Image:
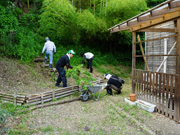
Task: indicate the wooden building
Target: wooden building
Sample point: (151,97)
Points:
(159,83)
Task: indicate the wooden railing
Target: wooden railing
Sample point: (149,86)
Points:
(160,89)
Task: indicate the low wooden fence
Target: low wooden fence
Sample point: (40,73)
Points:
(51,95)
(35,99)
(13,98)
(160,89)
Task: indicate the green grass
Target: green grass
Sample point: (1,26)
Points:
(46,129)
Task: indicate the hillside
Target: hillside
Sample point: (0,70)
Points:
(109,115)
(29,78)
(23,78)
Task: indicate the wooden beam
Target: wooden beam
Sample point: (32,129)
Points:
(150,10)
(155,55)
(117,29)
(157,30)
(142,51)
(152,21)
(174,35)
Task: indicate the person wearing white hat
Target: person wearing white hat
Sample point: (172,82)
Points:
(113,83)
(63,61)
(49,46)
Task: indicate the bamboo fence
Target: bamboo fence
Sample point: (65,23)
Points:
(41,98)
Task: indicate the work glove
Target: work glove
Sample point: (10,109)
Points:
(67,66)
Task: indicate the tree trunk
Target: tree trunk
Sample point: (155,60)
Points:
(80,6)
(28,3)
(106,6)
(100,5)
(94,7)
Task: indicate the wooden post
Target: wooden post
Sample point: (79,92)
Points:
(177,47)
(15,98)
(53,94)
(42,99)
(133,60)
(177,71)
(178,101)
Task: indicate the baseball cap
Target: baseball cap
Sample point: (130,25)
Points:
(71,51)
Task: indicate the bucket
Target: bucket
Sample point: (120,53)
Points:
(132,97)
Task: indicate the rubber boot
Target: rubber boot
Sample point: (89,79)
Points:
(91,70)
(45,61)
(109,91)
(50,66)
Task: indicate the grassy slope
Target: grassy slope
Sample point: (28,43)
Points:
(32,79)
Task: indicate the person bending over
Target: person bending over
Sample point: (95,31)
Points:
(89,57)
(113,83)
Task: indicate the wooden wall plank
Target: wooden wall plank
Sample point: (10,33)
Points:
(163,94)
(167,95)
(171,102)
(159,93)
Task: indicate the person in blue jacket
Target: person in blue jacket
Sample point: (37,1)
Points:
(63,61)
(113,83)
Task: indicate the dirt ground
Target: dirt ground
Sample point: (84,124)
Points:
(111,115)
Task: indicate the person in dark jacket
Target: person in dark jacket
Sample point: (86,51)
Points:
(113,83)
(63,61)
(89,56)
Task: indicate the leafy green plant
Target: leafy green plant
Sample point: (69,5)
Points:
(53,76)
(81,76)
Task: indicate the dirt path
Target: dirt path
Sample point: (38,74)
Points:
(109,115)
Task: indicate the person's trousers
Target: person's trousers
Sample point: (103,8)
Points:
(62,76)
(90,63)
(110,87)
(50,54)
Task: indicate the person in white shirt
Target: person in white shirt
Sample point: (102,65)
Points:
(49,46)
(89,56)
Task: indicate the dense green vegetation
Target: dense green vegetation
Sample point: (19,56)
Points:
(82,27)
(71,24)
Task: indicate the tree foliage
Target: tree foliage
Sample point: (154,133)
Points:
(80,24)
(121,10)
(16,38)
(65,24)
(152,3)
(56,20)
